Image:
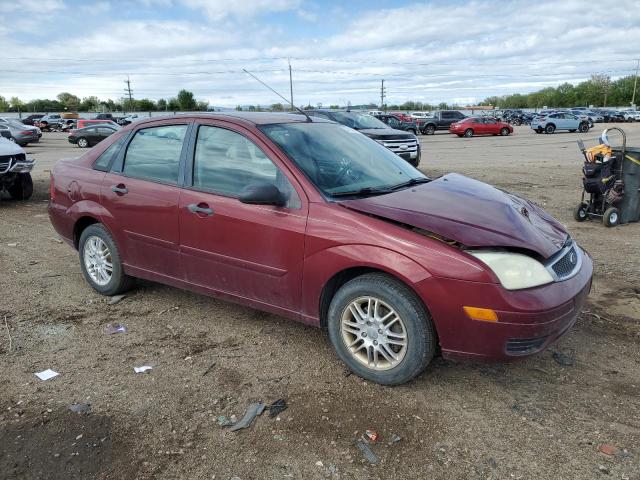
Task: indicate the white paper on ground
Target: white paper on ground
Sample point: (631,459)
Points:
(142,369)
(47,374)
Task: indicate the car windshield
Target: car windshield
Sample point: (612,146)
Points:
(16,123)
(358,121)
(341,161)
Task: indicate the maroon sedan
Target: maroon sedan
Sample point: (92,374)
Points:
(316,222)
(471,126)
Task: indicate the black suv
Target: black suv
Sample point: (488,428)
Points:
(403,144)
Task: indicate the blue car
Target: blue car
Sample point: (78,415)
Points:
(559,121)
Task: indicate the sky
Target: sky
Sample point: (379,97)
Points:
(431,51)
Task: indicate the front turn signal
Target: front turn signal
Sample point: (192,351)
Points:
(481,314)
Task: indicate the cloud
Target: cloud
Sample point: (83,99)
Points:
(222,9)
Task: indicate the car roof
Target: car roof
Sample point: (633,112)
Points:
(255,118)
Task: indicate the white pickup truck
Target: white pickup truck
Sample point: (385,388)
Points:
(15,170)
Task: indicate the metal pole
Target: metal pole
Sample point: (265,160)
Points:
(635,83)
(382,95)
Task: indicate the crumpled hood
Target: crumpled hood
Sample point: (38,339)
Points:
(7,147)
(469,212)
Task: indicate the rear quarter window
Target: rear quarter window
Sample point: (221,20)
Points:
(104,161)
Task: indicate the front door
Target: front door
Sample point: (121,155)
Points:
(141,194)
(250,251)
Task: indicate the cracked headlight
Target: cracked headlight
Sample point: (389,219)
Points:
(514,270)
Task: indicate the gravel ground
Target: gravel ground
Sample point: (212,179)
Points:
(533,419)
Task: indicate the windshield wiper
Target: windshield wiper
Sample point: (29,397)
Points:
(410,183)
(362,191)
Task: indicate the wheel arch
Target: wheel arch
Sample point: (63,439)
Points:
(80,226)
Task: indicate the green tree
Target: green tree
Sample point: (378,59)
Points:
(162,104)
(146,105)
(173,105)
(90,104)
(277,107)
(186,101)
(238,108)
(69,101)
(202,106)
(4,105)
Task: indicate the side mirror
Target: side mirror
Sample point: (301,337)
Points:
(262,193)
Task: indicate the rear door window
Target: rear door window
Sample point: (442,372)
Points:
(225,162)
(154,153)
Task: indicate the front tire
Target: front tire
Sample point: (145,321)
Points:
(504,131)
(580,212)
(468,133)
(430,130)
(583,127)
(550,128)
(101,263)
(22,187)
(380,329)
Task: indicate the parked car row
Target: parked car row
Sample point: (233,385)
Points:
(19,132)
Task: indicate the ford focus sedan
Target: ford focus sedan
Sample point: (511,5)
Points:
(469,127)
(314,221)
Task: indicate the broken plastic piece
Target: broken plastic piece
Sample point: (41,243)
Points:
(562,359)
(112,328)
(47,374)
(253,410)
(80,407)
(372,435)
(224,421)
(142,369)
(277,407)
(116,299)
(394,439)
(367,452)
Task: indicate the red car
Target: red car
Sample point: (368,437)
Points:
(480,126)
(314,221)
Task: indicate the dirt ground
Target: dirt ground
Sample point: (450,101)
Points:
(533,419)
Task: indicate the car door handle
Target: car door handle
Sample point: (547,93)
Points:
(120,188)
(197,209)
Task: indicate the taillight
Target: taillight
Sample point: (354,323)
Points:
(25,132)
(52,188)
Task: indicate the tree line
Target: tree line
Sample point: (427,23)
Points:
(599,91)
(65,101)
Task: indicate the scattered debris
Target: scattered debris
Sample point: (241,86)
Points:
(209,368)
(253,410)
(367,452)
(12,244)
(225,421)
(603,469)
(57,240)
(47,374)
(372,435)
(562,359)
(142,369)
(80,407)
(279,437)
(277,407)
(116,299)
(394,439)
(167,310)
(113,328)
(6,325)
(608,449)
(319,464)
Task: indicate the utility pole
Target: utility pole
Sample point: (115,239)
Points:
(291,85)
(129,92)
(382,95)
(635,83)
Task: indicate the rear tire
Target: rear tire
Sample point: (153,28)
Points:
(583,127)
(504,131)
(83,142)
(116,281)
(430,130)
(22,187)
(414,326)
(580,213)
(468,133)
(550,128)
(611,217)
(539,130)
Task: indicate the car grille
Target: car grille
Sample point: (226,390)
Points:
(567,263)
(6,161)
(524,346)
(404,145)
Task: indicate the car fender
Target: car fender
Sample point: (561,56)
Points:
(90,208)
(323,265)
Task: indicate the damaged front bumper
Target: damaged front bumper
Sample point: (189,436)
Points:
(17,166)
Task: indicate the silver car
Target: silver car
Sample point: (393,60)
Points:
(20,133)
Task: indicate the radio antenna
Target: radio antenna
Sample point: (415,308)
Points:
(309,119)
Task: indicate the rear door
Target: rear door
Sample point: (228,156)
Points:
(250,251)
(142,195)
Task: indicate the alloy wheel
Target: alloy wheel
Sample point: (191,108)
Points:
(374,333)
(97,260)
